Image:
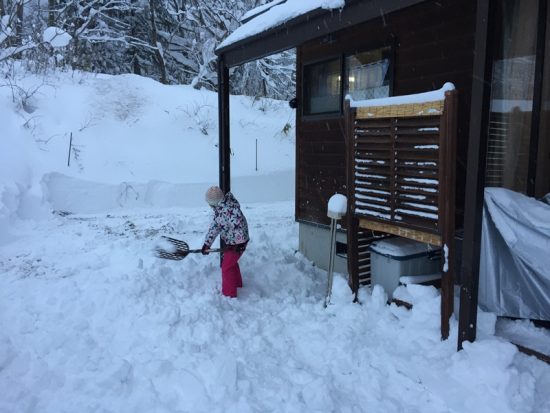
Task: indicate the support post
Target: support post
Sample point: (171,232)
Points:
(223,125)
(448,164)
(537,99)
(352,223)
(337,207)
(475,175)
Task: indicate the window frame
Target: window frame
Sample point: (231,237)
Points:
(391,57)
(343,82)
(339,58)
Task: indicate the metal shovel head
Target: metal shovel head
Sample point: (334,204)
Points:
(179,252)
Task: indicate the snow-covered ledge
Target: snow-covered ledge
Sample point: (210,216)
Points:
(417,98)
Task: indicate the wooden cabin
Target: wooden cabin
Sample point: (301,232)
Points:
(494,54)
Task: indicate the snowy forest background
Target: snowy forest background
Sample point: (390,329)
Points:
(172,41)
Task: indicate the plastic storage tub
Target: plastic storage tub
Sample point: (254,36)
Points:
(392,258)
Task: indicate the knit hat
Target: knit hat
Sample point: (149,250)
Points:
(214,195)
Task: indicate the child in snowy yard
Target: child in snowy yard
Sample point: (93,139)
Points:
(230,223)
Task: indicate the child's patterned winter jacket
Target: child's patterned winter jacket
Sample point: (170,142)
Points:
(229,222)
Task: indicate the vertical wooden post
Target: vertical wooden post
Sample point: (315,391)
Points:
(475,174)
(224,147)
(223,125)
(351,221)
(537,99)
(447,162)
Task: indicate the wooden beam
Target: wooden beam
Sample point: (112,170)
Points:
(421,236)
(531,352)
(223,125)
(434,108)
(475,174)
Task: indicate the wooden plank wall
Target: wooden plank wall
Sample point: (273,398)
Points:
(433,45)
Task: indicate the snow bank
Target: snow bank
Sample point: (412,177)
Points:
(68,194)
(92,143)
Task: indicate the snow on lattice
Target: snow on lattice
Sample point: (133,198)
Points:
(373,191)
(421,206)
(371,161)
(367,204)
(416,188)
(370,176)
(416,213)
(413,196)
(422,181)
(370,198)
(372,213)
(432,96)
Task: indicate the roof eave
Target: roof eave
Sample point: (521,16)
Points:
(309,26)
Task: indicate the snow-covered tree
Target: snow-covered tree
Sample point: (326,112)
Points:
(172,41)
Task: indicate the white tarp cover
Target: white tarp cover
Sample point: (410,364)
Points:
(514,276)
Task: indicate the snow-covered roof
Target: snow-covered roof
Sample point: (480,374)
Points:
(277,15)
(259,10)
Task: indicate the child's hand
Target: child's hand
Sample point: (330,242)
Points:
(204,250)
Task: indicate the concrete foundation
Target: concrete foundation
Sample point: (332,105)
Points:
(314,243)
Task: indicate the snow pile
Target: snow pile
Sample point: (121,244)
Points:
(91,143)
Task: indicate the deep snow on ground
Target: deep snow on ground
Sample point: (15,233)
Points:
(92,321)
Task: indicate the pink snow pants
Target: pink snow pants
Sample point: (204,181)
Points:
(231,273)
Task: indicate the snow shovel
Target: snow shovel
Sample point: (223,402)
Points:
(179,251)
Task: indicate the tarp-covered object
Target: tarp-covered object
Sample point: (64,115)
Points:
(514,276)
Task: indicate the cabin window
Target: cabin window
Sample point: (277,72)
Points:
(512,91)
(322,87)
(518,151)
(367,74)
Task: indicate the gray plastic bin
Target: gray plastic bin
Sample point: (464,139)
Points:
(392,258)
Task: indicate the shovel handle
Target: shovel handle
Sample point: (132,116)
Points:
(210,250)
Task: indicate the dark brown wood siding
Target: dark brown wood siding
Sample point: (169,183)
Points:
(433,45)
